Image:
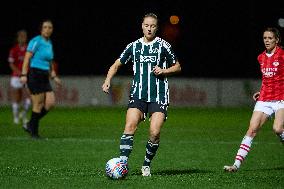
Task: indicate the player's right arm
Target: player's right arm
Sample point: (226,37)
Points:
(26,63)
(111,72)
(14,68)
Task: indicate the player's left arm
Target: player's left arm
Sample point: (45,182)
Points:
(173,65)
(54,75)
(175,68)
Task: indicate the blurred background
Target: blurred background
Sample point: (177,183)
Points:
(213,39)
(217,43)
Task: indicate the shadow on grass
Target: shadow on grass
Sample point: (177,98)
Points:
(267,169)
(174,172)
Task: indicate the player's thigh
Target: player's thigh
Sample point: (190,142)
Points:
(16,94)
(49,99)
(38,101)
(142,106)
(16,88)
(26,93)
(258,118)
(279,120)
(133,117)
(157,121)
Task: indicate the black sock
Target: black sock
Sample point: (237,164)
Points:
(43,112)
(126,145)
(281,136)
(151,150)
(34,123)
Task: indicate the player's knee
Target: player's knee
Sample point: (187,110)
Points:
(252,132)
(49,103)
(155,140)
(130,128)
(278,130)
(155,136)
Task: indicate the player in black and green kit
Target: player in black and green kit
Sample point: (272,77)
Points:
(153,60)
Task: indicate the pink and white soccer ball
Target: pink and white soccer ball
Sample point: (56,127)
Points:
(116,168)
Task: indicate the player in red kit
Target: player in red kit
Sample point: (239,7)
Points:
(270,99)
(19,94)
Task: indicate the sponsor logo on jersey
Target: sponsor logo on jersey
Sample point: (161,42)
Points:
(269,72)
(147,58)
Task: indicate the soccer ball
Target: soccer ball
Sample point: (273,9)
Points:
(116,168)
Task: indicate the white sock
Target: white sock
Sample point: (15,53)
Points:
(15,109)
(243,151)
(27,104)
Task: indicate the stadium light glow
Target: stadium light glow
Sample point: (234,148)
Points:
(174,19)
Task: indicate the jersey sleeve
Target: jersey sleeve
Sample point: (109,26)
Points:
(170,54)
(33,45)
(126,54)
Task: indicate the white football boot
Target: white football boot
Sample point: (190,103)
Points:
(146,171)
(230,168)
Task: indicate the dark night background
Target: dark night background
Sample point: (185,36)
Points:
(217,39)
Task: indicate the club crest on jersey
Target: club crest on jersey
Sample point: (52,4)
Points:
(155,50)
(275,63)
(147,58)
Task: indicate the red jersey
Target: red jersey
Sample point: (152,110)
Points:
(16,56)
(272,69)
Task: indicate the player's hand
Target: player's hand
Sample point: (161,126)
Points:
(58,81)
(256,96)
(106,87)
(23,79)
(157,70)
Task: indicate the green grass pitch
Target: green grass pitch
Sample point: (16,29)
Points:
(195,145)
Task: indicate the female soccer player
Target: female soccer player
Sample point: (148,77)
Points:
(19,93)
(153,60)
(270,99)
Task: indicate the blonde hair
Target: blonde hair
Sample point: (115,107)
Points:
(152,15)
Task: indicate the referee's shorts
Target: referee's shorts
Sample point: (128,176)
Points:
(38,81)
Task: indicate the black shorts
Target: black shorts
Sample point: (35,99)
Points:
(148,107)
(38,81)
